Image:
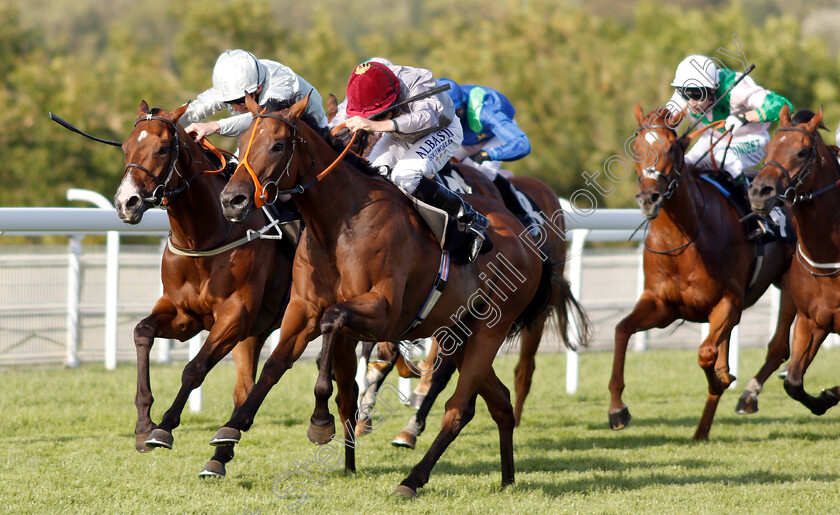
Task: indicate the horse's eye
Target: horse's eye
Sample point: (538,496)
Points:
(802,153)
(277,147)
(164,150)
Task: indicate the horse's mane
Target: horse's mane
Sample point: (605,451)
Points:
(804,116)
(359,163)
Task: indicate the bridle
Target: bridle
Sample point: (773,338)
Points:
(672,180)
(270,192)
(792,194)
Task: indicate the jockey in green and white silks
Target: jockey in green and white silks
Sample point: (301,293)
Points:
(748,110)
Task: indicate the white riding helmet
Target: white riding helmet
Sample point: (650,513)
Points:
(235,73)
(696,71)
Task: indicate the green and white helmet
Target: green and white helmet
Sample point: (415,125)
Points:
(236,72)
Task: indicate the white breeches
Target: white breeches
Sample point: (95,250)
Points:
(745,151)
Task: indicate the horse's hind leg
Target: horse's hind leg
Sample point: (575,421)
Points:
(375,376)
(425,381)
(647,313)
(407,437)
(778,350)
(807,338)
(246,356)
(524,370)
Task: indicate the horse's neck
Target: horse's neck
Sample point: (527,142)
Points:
(818,220)
(195,215)
(683,212)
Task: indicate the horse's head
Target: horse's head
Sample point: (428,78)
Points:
(659,157)
(792,155)
(151,158)
(273,156)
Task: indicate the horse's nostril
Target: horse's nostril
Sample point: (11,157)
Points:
(132,202)
(239,200)
(654,198)
(766,191)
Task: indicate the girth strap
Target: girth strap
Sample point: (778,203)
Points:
(437,290)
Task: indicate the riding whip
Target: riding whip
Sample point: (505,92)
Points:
(68,126)
(420,96)
(708,109)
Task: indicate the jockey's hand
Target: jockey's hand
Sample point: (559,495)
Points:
(200,130)
(358,123)
(735,122)
(480,156)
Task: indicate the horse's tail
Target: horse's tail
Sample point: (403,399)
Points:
(554,296)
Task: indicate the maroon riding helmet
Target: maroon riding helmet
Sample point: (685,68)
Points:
(372,87)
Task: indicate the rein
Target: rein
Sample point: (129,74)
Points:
(262,194)
(676,251)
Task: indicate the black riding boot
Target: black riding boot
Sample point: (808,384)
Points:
(469,220)
(511,200)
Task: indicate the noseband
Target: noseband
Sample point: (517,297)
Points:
(672,180)
(160,196)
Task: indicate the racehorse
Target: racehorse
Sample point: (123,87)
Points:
(352,273)
(802,172)
(698,266)
(216,276)
(552,236)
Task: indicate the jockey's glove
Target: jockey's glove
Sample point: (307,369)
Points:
(480,156)
(734,122)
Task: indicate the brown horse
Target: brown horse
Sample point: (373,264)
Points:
(213,277)
(553,244)
(801,171)
(698,266)
(363,271)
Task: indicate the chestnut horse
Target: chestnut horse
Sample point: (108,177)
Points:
(214,278)
(801,171)
(363,271)
(698,266)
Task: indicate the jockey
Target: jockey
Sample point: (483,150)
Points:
(238,72)
(491,136)
(418,140)
(748,110)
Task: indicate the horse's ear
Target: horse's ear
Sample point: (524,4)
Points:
(784,116)
(176,114)
(815,122)
(297,109)
(143,109)
(640,114)
(251,104)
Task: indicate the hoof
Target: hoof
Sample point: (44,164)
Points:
(160,438)
(226,436)
(405,439)
(416,400)
(827,399)
(140,442)
(321,434)
(405,492)
(363,427)
(213,468)
(747,404)
(620,419)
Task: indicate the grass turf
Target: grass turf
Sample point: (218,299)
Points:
(68,447)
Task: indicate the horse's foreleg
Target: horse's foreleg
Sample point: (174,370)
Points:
(344,361)
(159,323)
(362,315)
(713,358)
(426,374)
(807,338)
(246,356)
(778,350)
(524,370)
(375,376)
(299,327)
(647,313)
(407,437)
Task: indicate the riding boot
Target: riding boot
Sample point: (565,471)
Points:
(513,204)
(469,220)
(757,225)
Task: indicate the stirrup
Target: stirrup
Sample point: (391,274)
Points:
(477,227)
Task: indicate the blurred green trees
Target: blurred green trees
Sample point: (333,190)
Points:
(574,75)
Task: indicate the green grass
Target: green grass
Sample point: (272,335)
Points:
(68,447)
